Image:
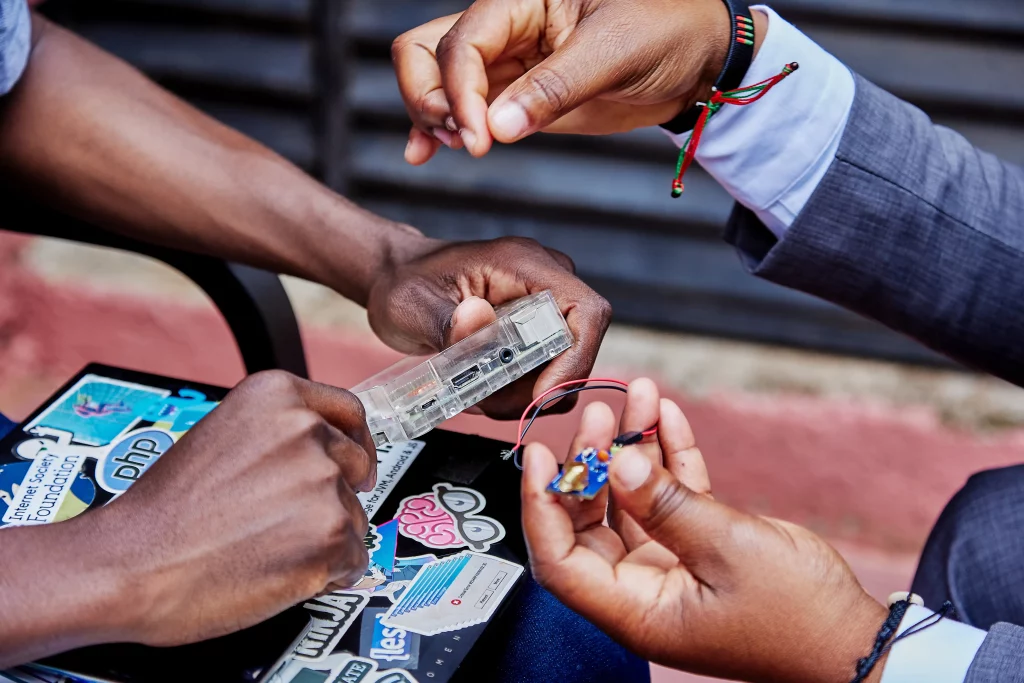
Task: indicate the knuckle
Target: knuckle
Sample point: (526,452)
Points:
(448,45)
(667,503)
(329,471)
(552,87)
(603,309)
(270,381)
(355,405)
(521,242)
(335,523)
(301,422)
(399,45)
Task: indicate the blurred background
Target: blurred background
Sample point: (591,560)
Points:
(803,411)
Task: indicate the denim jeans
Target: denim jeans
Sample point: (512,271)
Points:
(5,426)
(539,640)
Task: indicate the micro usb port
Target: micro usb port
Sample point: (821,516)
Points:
(465,377)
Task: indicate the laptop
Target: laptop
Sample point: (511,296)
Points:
(446,549)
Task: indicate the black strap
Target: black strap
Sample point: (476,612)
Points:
(737,62)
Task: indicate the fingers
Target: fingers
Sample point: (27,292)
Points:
(575,73)
(679,449)
(421,147)
(344,412)
(692,526)
(419,78)
(357,469)
(642,411)
(588,315)
(469,316)
(576,574)
(547,526)
(486,32)
(596,430)
(352,558)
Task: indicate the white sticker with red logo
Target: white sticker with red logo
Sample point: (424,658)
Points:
(455,592)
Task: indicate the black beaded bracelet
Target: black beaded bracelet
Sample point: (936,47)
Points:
(899,603)
(737,62)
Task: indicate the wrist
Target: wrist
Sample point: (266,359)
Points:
(63,586)
(356,247)
(853,639)
(95,546)
(718,45)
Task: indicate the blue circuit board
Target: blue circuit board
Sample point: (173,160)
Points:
(584,476)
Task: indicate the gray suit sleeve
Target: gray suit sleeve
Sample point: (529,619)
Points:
(1000,658)
(911,226)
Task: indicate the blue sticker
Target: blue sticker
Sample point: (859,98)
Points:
(129,458)
(391,647)
(97,410)
(382,557)
(11,476)
(182,411)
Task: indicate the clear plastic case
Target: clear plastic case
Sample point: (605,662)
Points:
(416,394)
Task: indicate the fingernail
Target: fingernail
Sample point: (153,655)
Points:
(510,121)
(450,124)
(631,469)
(444,136)
(468,137)
(455,316)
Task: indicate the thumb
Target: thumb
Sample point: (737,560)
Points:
(469,316)
(572,75)
(694,527)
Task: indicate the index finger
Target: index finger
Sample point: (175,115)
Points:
(343,411)
(588,315)
(414,55)
(574,573)
(484,33)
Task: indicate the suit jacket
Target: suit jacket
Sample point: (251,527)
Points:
(918,229)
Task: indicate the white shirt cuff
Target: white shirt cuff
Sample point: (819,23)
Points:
(771,155)
(939,654)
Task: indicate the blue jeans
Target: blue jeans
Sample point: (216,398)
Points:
(540,639)
(5,426)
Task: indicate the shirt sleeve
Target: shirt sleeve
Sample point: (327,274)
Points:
(15,41)
(939,654)
(771,155)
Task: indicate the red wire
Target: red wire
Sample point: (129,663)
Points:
(519,432)
(519,439)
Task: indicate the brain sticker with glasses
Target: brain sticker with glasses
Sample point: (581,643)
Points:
(448,517)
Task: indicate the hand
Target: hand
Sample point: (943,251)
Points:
(504,69)
(251,512)
(686,581)
(443,295)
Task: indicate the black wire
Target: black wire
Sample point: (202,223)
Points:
(536,411)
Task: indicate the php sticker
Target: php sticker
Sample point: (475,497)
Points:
(130,457)
(449,518)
